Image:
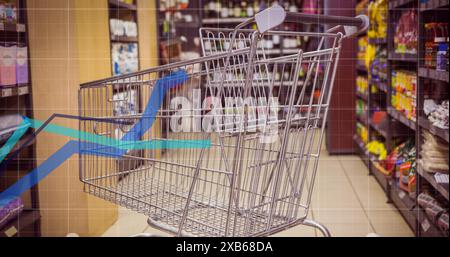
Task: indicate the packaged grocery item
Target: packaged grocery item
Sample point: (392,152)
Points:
(22,65)
(442,57)
(124,58)
(2,11)
(434,212)
(443,222)
(9,11)
(425,200)
(406,34)
(8,56)
(10,211)
(378,19)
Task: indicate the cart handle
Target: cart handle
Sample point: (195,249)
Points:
(276,15)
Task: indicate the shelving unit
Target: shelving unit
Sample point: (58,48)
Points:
(171,32)
(126,12)
(17,99)
(404,201)
(398,124)
(430,11)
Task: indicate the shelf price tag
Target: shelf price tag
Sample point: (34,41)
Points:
(425,225)
(10,232)
(20,27)
(7,92)
(23,90)
(401,194)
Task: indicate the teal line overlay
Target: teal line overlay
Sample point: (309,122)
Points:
(13,139)
(154,144)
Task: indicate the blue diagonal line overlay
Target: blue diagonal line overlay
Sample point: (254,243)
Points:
(12,140)
(100,146)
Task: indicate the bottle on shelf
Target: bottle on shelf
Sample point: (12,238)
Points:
(224,11)
(250,10)
(212,9)
(206,10)
(218,7)
(230,8)
(256,6)
(237,9)
(286,5)
(243,9)
(293,6)
(276,40)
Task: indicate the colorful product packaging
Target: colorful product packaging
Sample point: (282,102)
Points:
(8,11)
(22,65)
(8,57)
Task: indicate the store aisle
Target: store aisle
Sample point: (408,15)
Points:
(345,199)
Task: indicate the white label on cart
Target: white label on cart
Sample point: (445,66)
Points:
(350,30)
(7,92)
(10,232)
(401,194)
(425,225)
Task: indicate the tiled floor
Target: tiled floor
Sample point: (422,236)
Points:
(345,199)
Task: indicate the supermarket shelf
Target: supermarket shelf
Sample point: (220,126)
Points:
(441,188)
(361,68)
(377,41)
(124,39)
(11,27)
(223,20)
(363,120)
(426,124)
(402,57)
(362,150)
(399,3)
(400,117)
(19,225)
(427,228)
(405,205)
(362,96)
(433,74)
(18,90)
(378,129)
(119,4)
(380,85)
(433,5)
(380,174)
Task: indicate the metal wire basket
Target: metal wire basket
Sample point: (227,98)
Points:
(242,162)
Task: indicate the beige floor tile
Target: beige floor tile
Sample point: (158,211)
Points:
(354,167)
(370,193)
(344,222)
(128,223)
(298,231)
(389,223)
(334,192)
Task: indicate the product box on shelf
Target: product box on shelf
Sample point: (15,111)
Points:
(8,57)
(406,33)
(125,58)
(22,65)
(8,11)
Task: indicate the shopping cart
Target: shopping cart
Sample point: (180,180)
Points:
(235,135)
